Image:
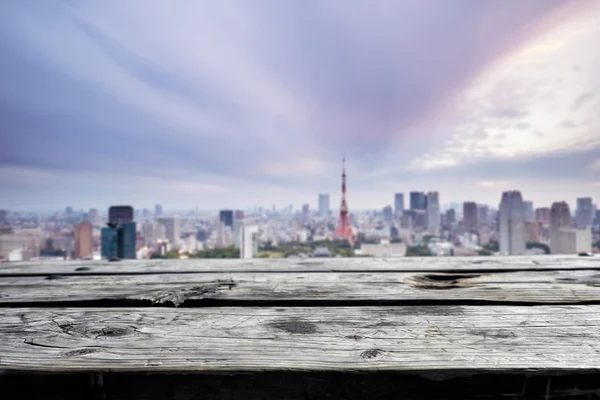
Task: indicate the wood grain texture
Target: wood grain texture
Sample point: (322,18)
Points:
(537,287)
(442,339)
(404,264)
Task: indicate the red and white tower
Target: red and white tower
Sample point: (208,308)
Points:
(344,229)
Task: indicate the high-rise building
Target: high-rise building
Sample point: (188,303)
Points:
(450,218)
(126,237)
(418,201)
(68,210)
(93,215)
(3,219)
(560,218)
(420,219)
(433,210)
(323,205)
(305,210)
(511,219)
(109,243)
(248,241)
(575,240)
(542,215)
(239,215)
(398,203)
(528,206)
(482,213)
(533,231)
(171,225)
(83,240)
(388,213)
(120,214)
(470,216)
(584,214)
(226,217)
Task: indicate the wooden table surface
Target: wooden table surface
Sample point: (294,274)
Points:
(259,323)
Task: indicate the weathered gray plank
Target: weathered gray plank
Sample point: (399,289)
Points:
(550,287)
(408,264)
(447,340)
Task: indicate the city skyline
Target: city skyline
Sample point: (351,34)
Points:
(469,99)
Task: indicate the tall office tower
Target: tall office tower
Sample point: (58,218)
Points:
(3,219)
(512,224)
(584,215)
(248,241)
(171,225)
(83,240)
(418,201)
(542,215)
(420,219)
(450,217)
(324,205)
(560,218)
(470,216)
(398,204)
(120,214)
(238,215)
(533,231)
(305,210)
(226,217)
(528,206)
(126,237)
(388,213)
(109,242)
(482,213)
(158,210)
(68,210)
(93,215)
(433,210)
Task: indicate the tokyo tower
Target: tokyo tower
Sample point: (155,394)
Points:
(344,229)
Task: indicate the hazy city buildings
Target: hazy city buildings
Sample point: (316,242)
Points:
(417,201)
(83,240)
(470,216)
(433,211)
(398,203)
(512,227)
(542,215)
(3,220)
(324,205)
(158,210)
(584,214)
(172,229)
(120,214)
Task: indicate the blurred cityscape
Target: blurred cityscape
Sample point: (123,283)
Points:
(415,225)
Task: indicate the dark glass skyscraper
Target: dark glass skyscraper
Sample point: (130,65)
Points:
(226,217)
(120,214)
(110,243)
(418,201)
(126,239)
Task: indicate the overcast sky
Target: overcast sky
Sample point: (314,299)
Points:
(215,104)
